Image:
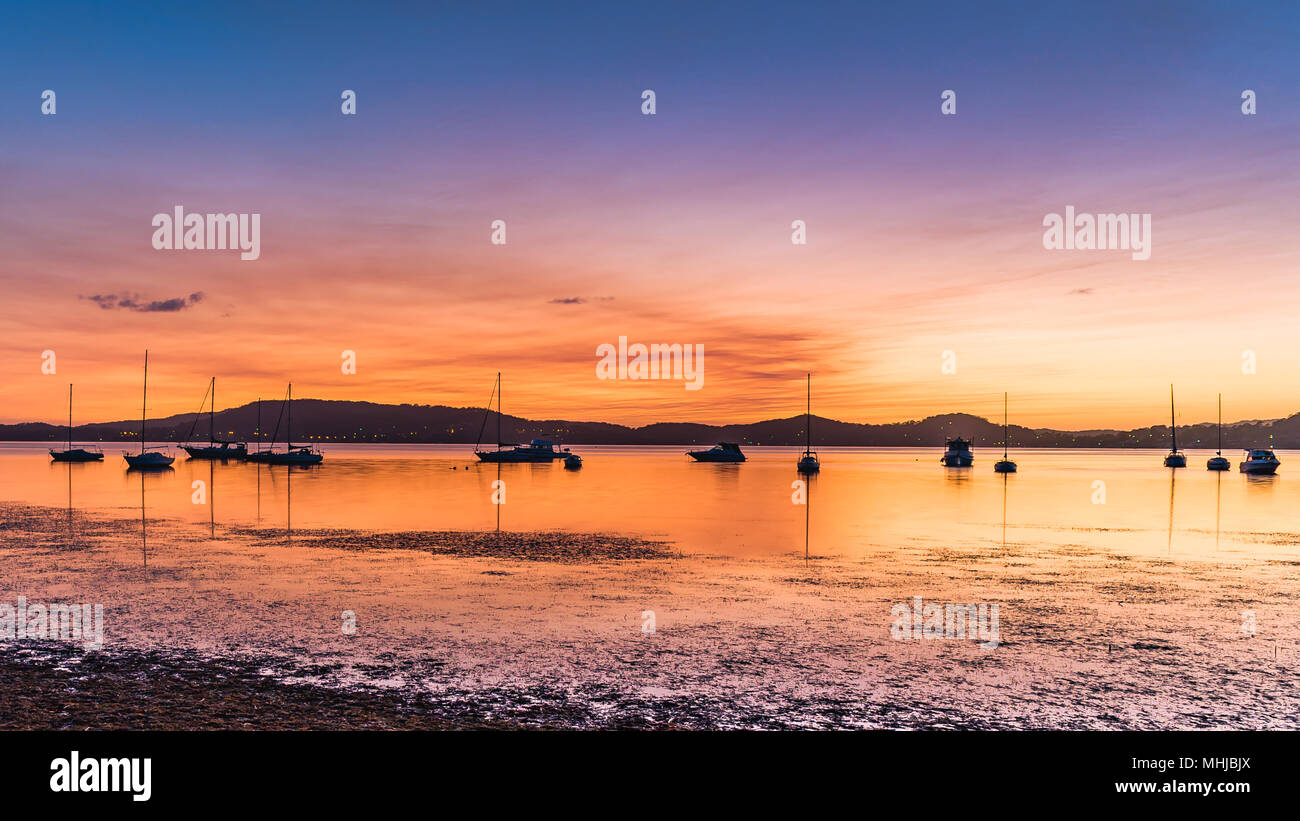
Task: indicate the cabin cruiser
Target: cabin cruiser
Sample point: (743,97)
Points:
(1260,462)
(721,452)
(958,454)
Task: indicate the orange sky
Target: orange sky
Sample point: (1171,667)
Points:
(924,231)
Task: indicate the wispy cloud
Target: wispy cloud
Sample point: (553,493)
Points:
(568,300)
(1081,291)
(132,302)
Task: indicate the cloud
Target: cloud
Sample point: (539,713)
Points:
(1081,291)
(132,302)
(568,300)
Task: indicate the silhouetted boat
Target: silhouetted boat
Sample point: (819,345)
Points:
(1219,461)
(1004,465)
(721,452)
(808,463)
(292,454)
(75,454)
(1175,459)
(538,450)
(958,453)
(1260,462)
(573,461)
(147,459)
(216,448)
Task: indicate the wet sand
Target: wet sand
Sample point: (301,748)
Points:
(457,636)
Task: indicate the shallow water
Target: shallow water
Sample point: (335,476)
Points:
(1125,614)
(1119,500)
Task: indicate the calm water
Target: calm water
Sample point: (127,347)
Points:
(864,497)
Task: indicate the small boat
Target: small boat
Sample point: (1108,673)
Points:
(75,454)
(808,463)
(1175,458)
(1219,461)
(1004,465)
(216,448)
(147,459)
(1260,462)
(721,452)
(538,450)
(573,461)
(958,453)
(292,454)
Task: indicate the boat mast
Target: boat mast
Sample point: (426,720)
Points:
(288,423)
(808,421)
(1218,452)
(212,412)
(1173,430)
(259,424)
(69,416)
(498,410)
(1005,428)
(144,399)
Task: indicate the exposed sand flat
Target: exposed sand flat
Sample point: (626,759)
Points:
(1088,639)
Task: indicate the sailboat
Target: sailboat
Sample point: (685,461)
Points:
(1005,465)
(808,463)
(75,454)
(216,448)
(538,450)
(292,454)
(1175,459)
(146,459)
(1219,461)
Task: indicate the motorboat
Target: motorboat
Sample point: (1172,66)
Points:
(572,461)
(721,452)
(958,453)
(1260,462)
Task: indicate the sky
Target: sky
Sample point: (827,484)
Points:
(924,230)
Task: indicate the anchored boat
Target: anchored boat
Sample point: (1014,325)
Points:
(147,459)
(721,452)
(1175,458)
(1260,462)
(1005,465)
(216,448)
(75,454)
(809,463)
(292,454)
(958,453)
(1218,461)
(538,450)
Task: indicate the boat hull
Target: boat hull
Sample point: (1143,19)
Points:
(510,456)
(957,460)
(76,455)
(1004,466)
(291,458)
(707,456)
(239,451)
(152,460)
(1265,469)
(809,464)
(1218,463)
(1175,460)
